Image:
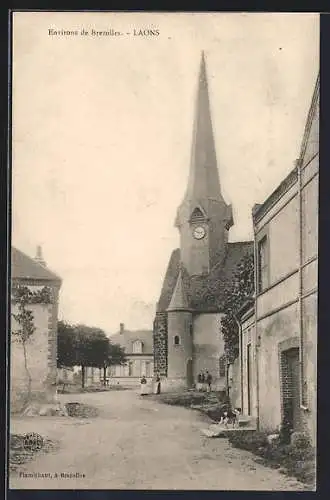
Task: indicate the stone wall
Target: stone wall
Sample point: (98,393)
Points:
(41,355)
(160,344)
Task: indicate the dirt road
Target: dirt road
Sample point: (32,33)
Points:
(137,443)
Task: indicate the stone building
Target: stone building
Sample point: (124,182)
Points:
(41,348)
(187,326)
(278,354)
(139,356)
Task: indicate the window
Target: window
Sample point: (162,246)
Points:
(263,265)
(222,366)
(197,215)
(130,368)
(137,347)
(177,340)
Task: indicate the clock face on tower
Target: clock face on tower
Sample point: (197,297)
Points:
(199,232)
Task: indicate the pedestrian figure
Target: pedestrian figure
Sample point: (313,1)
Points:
(203,381)
(208,381)
(143,383)
(158,384)
(199,382)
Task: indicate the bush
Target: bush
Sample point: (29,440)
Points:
(18,455)
(249,440)
(211,400)
(300,440)
(296,459)
(185,399)
(285,432)
(81,410)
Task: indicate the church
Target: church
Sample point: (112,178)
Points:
(187,327)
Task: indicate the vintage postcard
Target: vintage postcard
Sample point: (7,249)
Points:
(163,307)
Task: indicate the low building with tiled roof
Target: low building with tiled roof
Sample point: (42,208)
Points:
(187,326)
(42,286)
(24,268)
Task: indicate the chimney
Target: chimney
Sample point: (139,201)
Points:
(39,258)
(121,328)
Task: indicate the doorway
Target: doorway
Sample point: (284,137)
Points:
(189,373)
(291,387)
(249,378)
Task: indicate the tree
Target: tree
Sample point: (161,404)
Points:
(21,296)
(240,290)
(116,356)
(66,344)
(92,348)
(81,345)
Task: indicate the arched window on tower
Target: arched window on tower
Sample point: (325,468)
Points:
(197,215)
(177,340)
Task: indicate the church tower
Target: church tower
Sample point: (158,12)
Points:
(203,218)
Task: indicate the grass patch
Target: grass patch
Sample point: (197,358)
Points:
(19,455)
(185,399)
(207,402)
(76,389)
(80,410)
(211,404)
(297,459)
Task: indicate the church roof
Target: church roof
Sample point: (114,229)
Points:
(179,300)
(128,337)
(24,267)
(204,293)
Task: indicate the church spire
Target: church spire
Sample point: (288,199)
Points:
(203,218)
(203,176)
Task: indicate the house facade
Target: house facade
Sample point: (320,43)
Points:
(40,358)
(187,325)
(139,357)
(278,338)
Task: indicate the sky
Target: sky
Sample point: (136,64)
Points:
(102,129)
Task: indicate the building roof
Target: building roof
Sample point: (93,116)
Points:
(179,300)
(24,267)
(128,337)
(204,293)
(311,132)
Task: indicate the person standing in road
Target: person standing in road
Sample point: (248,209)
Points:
(202,381)
(143,383)
(199,382)
(208,381)
(158,384)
